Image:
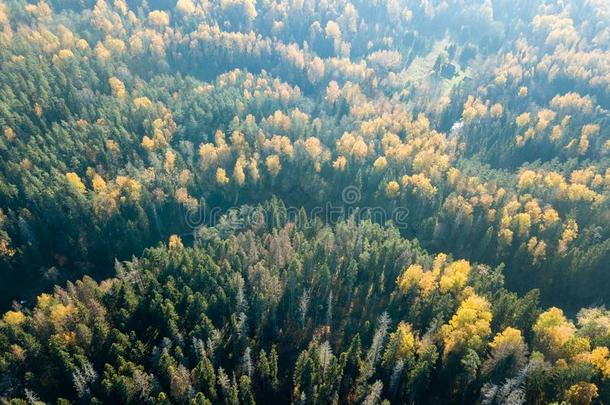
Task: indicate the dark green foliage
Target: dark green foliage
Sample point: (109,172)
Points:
(299,156)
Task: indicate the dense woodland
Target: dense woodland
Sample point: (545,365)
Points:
(124,125)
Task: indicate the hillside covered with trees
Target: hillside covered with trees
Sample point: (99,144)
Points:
(299,201)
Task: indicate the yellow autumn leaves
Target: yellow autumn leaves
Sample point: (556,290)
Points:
(469,327)
(58,314)
(555,337)
(472,321)
(76,182)
(107,195)
(450,277)
(13,318)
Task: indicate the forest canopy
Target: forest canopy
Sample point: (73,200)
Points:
(304,201)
